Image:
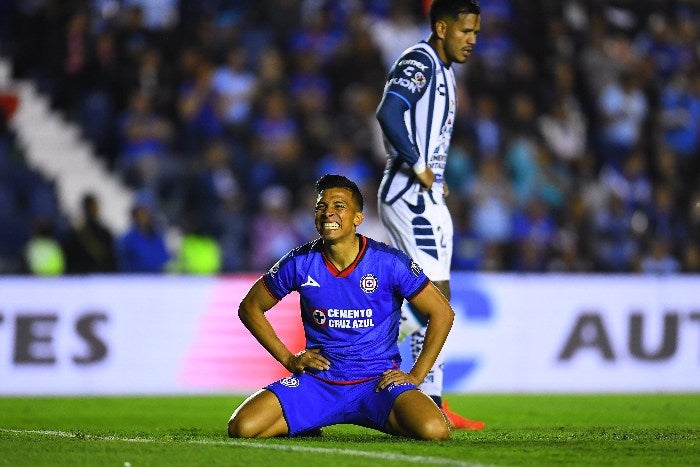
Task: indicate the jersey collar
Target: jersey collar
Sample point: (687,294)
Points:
(347,271)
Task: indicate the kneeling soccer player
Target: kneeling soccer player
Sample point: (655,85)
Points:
(351,289)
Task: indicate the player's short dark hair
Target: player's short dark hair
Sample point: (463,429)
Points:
(441,9)
(340,181)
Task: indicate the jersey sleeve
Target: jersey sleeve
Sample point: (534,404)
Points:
(280,279)
(409,276)
(410,76)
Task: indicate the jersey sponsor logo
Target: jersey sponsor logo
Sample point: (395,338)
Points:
(369,283)
(406,83)
(349,319)
(310,282)
(413,63)
(319,316)
(290,381)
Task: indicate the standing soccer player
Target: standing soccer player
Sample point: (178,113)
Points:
(351,289)
(416,116)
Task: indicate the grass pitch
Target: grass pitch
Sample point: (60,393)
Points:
(533,430)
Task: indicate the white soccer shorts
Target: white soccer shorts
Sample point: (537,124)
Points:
(423,232)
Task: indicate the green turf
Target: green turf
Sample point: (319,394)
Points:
(521,430)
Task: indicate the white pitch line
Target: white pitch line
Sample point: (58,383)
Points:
(251,444)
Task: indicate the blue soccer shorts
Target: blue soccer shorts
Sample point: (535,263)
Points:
(309,403)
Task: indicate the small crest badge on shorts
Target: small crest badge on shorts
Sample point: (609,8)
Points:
(290,381)
(369,283)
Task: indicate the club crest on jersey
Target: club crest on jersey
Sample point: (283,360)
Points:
(369,283)
(320,316)
(290,381)
(419,79)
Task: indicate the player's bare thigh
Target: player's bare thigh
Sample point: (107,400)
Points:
(259,416)
(415,415)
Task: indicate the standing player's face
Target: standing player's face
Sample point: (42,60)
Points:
(336,214)
(459,37)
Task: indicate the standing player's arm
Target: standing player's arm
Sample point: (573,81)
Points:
(252,314)
(390,115)
(433,304)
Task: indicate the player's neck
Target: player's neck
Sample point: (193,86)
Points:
(344,252)
(437,46)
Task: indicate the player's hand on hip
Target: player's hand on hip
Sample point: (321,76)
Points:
(426,178)
(309,358)
(390,377)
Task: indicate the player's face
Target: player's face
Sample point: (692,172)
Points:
(458,37)
(337,214)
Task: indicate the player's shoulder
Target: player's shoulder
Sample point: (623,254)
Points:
(419,55)
(377,248)
(301,253)
(393,259)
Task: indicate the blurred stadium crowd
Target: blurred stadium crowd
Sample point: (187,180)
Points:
(576,147)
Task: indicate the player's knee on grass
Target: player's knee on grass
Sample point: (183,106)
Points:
(238,427)
(415,415)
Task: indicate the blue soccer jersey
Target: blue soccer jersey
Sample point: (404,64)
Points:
(429,89)
(351,315)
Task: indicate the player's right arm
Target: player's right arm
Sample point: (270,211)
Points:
(407,82)
(252,311)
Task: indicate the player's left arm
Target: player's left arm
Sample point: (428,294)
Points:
(433,304)
(251,312)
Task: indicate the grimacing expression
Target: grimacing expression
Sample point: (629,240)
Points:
(459,37)
(337,213)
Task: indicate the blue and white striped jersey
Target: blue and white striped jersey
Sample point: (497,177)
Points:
(420,79)
(351,315)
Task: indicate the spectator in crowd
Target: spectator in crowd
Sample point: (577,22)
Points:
(564,131)
(616,249)
(487,127)
(145,137)
(199,104)
(344,158)
(623,109)
(89,245)
(235,84)
(494,203)
(272,228)
(142,248)
(680,122)
(534,230)
(658,259)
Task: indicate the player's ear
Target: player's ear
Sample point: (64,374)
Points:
(359,217)
(441,29)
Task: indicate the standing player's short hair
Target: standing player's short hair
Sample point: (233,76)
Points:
(441,9)
(340,181)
